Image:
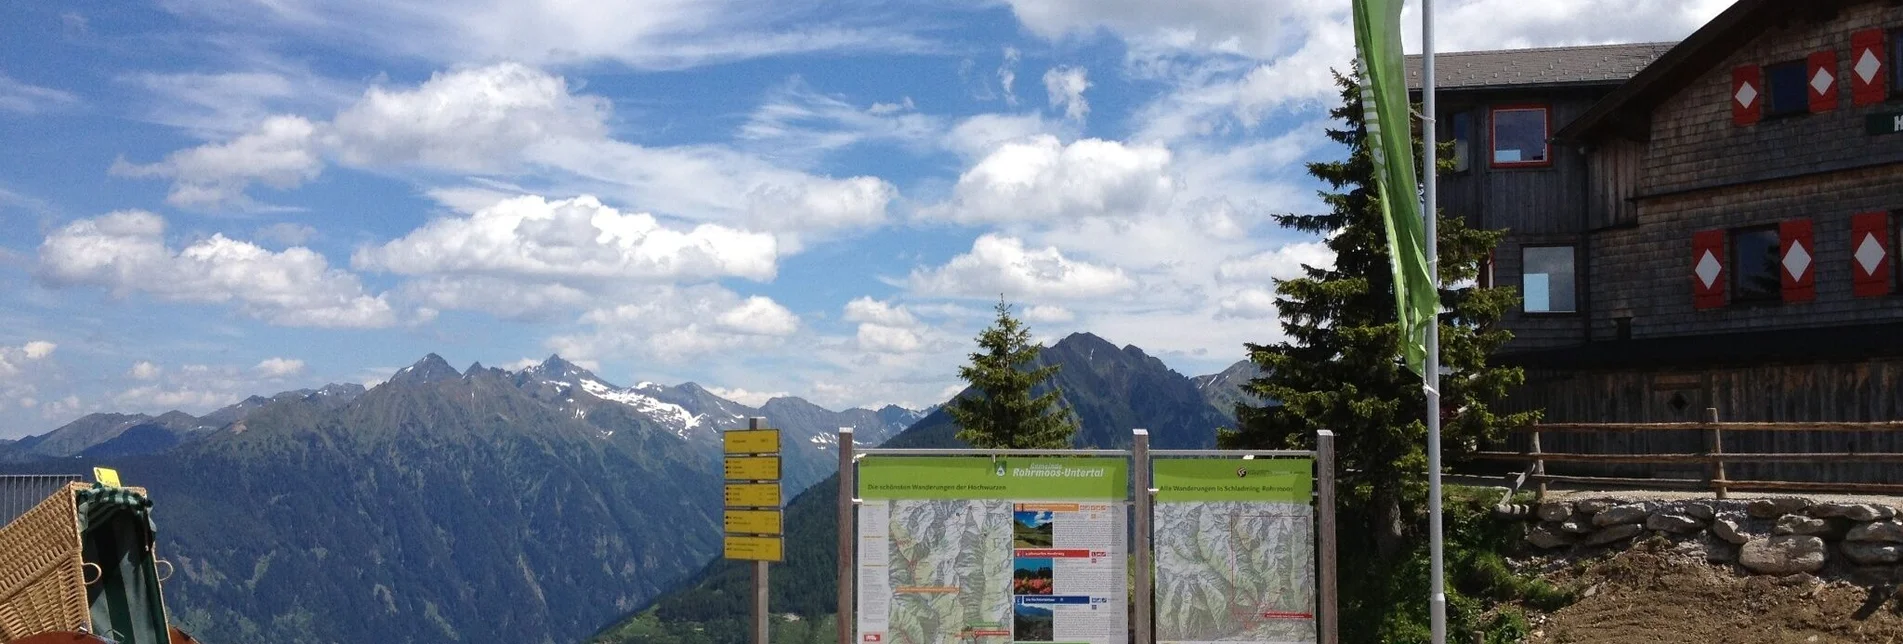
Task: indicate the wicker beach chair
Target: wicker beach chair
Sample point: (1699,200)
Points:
(83,561)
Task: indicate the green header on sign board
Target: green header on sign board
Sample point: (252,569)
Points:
(1888,123)
(981,477)
(1286,480)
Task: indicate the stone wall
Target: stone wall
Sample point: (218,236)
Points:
(1769,536)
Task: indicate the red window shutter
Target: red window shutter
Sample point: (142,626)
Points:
(1797,260)
(1708,269)
(1869,68)
(1747,94)
(1821,75)
(1870,254)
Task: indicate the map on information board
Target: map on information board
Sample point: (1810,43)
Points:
(957,550)
(1235,555)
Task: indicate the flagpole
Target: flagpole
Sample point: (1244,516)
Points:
(1429,136)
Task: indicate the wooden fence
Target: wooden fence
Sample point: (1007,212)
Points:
(1713,458)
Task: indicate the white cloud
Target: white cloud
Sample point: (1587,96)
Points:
(125,252)
(524,299)
(145,370)
(26,98)
(1008,74)
(279,154)
(885,327)
(671,324)
(1280,263)
(1048,313)
(225,105)
(38,349)
(157,398)
(978,135)
(275,368)
(646,34)
(576,239)
(746,397)
(1066,87)
(798,121)
(475,119)
(1043,179)
(287,234)
(1002,265)
(1250,303)
(12,359)
(760,316)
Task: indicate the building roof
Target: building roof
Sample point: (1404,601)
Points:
(1539,67)
(1627,109)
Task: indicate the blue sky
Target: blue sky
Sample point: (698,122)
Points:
(210,199)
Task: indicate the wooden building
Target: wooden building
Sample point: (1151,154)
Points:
(1702,224)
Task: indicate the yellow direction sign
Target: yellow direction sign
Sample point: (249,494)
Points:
(753,521)
(753,548)
(753,468)
(106,476)
(759,495)
(751,441)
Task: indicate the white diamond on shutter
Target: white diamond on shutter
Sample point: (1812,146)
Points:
(1868,66)
(1823,80)
(1707,269)
(1797,261)
(1869,254)
(1747,95)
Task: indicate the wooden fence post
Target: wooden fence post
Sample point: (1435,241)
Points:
(1715,446)
(1539,470)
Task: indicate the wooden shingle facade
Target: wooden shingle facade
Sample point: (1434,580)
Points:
(1709,223)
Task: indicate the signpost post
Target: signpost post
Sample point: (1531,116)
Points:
(752,520)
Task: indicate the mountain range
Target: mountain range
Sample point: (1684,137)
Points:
(533,505)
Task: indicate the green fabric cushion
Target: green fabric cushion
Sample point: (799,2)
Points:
(116,531)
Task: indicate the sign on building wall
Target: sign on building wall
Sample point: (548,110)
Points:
(1890,123)
(956,550)
(1235,551)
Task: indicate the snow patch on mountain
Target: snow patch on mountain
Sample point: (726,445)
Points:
(672,415)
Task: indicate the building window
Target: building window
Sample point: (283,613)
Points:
(1463,130)
(1896,67)
(1519,136)
(1788,91)
(1546,279)
(1755,273)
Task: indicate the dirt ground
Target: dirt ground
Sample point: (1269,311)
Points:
(1665,595)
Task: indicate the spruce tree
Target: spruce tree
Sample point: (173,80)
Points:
(1340,368)
(1001,413)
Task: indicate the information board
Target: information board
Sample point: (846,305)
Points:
(1235,551)
(977,550)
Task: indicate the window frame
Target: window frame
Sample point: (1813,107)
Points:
(1894,47)
(1737,296)
(1463,159)
(1767,108)
(1522,285)
(1493,135)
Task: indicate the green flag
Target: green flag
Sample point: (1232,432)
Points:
(1390,139)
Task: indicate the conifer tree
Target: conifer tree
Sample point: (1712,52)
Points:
(1002,413)
(1340,368)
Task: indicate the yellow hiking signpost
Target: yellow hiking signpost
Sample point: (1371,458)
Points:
(753,495)
(753,468)
(751,521)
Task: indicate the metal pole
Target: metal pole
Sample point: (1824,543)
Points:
(760,586)
(1330,626)
(846,619)
(1140,469)
(1429,137)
